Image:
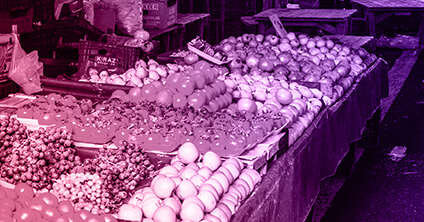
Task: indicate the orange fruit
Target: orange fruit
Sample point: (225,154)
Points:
(164,187)
(283,96)
(192,212)
(130,212)
(185,189)
(165,214)
(211,160)
(188,153)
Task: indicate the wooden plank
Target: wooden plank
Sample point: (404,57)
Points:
(316,14)
(391,4)
(187,18)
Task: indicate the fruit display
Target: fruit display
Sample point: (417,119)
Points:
(269,74)
(204,113)
(161,128)
(35,157)
(22,203)
(193,187)
(101,183)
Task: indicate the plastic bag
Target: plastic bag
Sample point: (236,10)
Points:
(25,68)
(129,14)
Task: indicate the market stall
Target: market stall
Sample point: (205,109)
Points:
(243,130)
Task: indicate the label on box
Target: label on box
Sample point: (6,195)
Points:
(279,28)
(151,6)
(107,61)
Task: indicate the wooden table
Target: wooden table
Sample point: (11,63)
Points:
(334,21)
(376,11)
(172,37)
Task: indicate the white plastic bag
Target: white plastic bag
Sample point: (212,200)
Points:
(25,68)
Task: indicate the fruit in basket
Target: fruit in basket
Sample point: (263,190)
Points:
(191,58)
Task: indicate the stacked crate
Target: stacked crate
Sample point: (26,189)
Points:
(17,12)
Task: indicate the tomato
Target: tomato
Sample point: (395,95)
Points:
(122,134)
(202,145)
(201,64)
(218,144)
(196,100)
(179,100)
(61,219)
(49,199)
(52,98)
(208,94)
(191,58)
(60,115)
(24,190)
(164,97)
(93,218)
(209,75)
(36,204)
(8,203)
(82,131)
(221,102)
(213,106)
(25,214)
(186,86)
(46,119)
(108,218)
(235,142)
(153,138)
(99,132)
(187,138)
(135,93)
(50,212)
(84,214)
(6,218)
(172,79)
(148,90)
(65,207)
(25,113)
(199,79)
(73,217)
(118,94)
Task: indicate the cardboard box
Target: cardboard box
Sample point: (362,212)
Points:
(159,14)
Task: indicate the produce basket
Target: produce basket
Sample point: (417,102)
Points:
(125,56)
(121,40)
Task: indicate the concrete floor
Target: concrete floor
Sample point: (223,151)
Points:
(379,188)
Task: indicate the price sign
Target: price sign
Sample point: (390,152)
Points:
(279,28)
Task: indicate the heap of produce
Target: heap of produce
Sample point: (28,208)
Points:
(102,183)
(21,203)
(193,188)
(35,157)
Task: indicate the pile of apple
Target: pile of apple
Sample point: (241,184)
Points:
(21,203)
(194,86)
(267,74)
(142,73)
(193,188)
